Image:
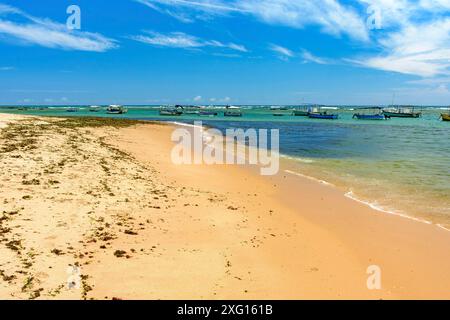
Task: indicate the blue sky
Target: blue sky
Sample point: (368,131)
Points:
(226,52)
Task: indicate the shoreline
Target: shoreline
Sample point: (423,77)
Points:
(245,236)
(347,191)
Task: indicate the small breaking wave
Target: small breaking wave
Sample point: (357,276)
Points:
(377,207)
(309,177)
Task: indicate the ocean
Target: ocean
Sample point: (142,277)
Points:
(400,166)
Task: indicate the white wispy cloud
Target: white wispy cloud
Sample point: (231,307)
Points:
(284,53)
(183,40)
(309,57)
(46,33)
(415,37)
(331,16)
(212,6)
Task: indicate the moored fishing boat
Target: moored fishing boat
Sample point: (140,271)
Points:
(170,112)
(205,113)
(323,115)
(302,111)
(116,109)
(232,112)
(366,115)
(278,108)
(445,116)
(72,109)
(94,108)
(317,113)
(191,112)
(401,112)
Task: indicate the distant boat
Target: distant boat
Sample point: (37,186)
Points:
(72,109)
(364,115)
(207,113)
(94,108)
(317,113)
(304,111)
(323,115)
(170,112)
(191,112)
(446,116)
(234,112)
(401,112)
(278,114)
(116,109)
(278,108)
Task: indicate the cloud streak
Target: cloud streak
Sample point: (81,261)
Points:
(184,41)
(415,39)
(309,57)
(332,17)
(282,52)
(46,33)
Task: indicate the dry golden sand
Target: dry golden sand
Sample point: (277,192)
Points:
(108,199)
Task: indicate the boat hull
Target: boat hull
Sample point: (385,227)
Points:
(323,116)
(402,115)
(208,114)
(445,117)
(169,113)
(232,114)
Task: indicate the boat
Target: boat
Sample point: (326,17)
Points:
(116,109)
(401,112)
(446,116)
(191,112)
(207,113)
(323,115)
(170,112)
(317,113)
(278,114)
(364,115)
(72,109)
(281,108)
(94,108)
(304,111)
(232,112)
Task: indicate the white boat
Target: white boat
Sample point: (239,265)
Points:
(94,108)
(116,109)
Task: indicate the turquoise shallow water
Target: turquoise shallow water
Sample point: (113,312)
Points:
(399,165)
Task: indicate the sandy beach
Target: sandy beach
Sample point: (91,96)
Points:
(102,201)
